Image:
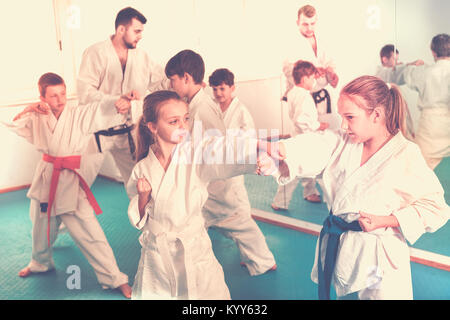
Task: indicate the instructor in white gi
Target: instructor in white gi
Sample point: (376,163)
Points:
(112,68)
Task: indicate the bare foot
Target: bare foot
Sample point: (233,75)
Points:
(274,207)
(274,267)
(126,290)
(25,272)
(313,198)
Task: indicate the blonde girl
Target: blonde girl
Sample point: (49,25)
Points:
(177,260)
(379,190)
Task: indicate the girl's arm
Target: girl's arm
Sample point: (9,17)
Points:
(305,155)
(370,222)
(423,208)
(144,194)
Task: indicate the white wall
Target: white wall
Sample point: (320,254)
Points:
(246,36)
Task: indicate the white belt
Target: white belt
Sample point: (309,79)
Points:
(162,238)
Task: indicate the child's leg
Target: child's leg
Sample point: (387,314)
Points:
(254,252)
(87,233)
(310,191)
(41,256)
(284,195)
(123,160)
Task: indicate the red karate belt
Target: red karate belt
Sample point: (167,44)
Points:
(69,163)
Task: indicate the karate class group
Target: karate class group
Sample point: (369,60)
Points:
(375,171)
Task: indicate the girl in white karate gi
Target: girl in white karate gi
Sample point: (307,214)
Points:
(61,133)
(177,260)
(379,190)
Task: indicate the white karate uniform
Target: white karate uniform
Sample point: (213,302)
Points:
(391,75)
(177,260)
(395,180)
(304,116)
(432,82)
(228,207)
(299,48)
(69,136)
(101,75)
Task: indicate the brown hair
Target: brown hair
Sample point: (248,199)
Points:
(440,44)
(49,79)
(186,61)
(375,92)
(387,51)
(126,15)
(308,11)
(302,69)
(220,76)
(152,104)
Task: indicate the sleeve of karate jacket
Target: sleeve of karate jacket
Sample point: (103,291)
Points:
(425,209)
(27,126)
(308,154)
(133,208)
(414,77)
(98,115)
(158,79)
(225,157)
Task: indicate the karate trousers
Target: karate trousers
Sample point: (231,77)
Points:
(243,230)
(88,235)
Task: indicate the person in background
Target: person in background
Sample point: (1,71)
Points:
(304,117)
(432,82)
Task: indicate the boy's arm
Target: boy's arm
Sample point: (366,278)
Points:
(38,107)
(24,123)
(414,77)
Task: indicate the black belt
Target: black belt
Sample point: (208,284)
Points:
(321,95)
(334,226)
(114,132)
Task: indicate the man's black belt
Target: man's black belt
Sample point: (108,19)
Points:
(114,132)
(321,95)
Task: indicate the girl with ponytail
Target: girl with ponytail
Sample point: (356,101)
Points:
(177,260)
(378,189)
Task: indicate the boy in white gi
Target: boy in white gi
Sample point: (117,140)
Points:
(113,68)
(391,71)
(59,190)
(171,179)
(432,82)
(379,190)
(304,117)
(243,230)
(186,71)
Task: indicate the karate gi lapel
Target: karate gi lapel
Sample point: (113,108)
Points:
(116,65)
(61,127)
(162,197)
(128,71)
(371,168)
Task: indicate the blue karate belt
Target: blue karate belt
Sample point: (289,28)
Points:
(334,227)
